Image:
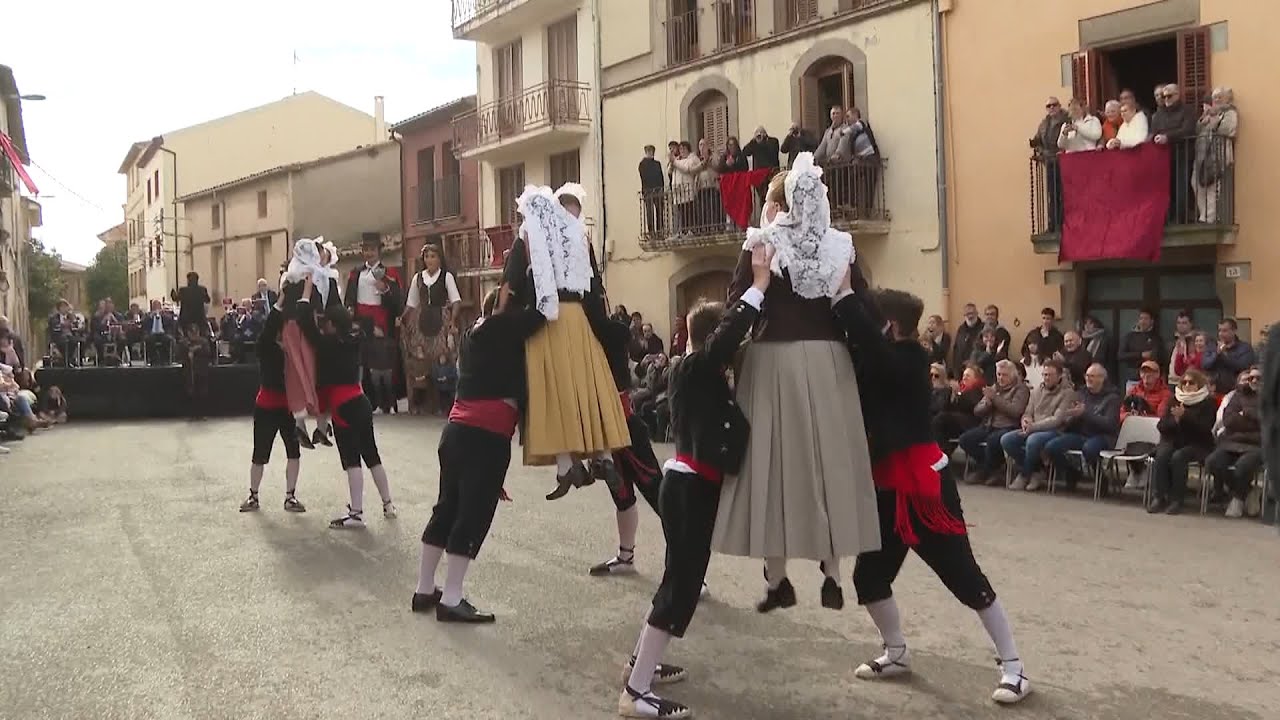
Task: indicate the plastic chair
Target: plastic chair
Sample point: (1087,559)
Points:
(1134,429)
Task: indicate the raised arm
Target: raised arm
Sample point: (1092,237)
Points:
(723,342)
(307,317)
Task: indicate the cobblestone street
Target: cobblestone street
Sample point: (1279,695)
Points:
(132,588)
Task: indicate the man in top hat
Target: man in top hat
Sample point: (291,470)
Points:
(374,292)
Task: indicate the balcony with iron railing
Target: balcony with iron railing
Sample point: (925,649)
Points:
(735,23)
(692,216)
(682,38)
(439,200)
(551,112)
(494,21)
(1202,196)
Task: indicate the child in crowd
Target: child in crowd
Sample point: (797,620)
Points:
(916,493)
(445,377)
(711,438)
(379,353)
(54,407)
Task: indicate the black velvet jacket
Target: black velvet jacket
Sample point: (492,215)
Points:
(706,422)
(491,355)
(893,380)
(337,356)
(270,354)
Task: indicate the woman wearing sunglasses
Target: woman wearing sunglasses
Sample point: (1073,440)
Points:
(1186,436)
(1238,456)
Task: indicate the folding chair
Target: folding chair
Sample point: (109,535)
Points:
(1206,483)
(1134,429)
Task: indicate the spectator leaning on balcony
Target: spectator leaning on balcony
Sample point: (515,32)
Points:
(762,149)
(862,148)
(1043,420)
(1133,131)
(1111,121)
(798,140)
(1044,146)
(1215,153)
(1174,122)
(684,176)
(1093,421)
(1140,344)
(1081,131)
(1238,456)
(1000,410)
(1228,358)
(710,210)
(1075,357)
(828,150)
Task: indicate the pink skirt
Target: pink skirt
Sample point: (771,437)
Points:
(299,370)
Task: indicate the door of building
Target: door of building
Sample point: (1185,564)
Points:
(713,286)
(1116,296)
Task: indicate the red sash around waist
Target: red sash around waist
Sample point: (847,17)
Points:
(492,415)
(912,475)
(269,399)
(708,472)
(333,397)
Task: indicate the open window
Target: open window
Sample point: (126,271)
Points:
(1099,74)
(826,84)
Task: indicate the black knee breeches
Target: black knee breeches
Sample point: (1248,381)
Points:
(266,425)
(473,466)
(949,556)
(638,469)
(353,434)
(688,507)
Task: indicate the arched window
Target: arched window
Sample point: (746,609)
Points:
(709,118)
(827,83)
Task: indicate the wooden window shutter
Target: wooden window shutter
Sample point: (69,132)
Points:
(810,105)
(719,136)
(1193,65)
(1084,79)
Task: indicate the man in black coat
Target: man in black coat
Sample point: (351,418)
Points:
(1139,345)
(652,182)
(798,140)
(192,300)
(762,148)
(1173,123)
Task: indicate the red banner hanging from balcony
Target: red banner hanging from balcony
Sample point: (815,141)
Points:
(11,152)
(735,193)
(1114,203)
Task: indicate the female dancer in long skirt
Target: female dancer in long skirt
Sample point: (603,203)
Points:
(475,451)
(311,259)
(433,301)
(337,345)
(805,488)
(572,411)
(271,417)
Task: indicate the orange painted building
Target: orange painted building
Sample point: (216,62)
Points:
(1003,58)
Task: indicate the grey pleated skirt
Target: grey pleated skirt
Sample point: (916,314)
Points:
(805,489)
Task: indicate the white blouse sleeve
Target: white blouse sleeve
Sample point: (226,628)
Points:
(452,287)
(411,299)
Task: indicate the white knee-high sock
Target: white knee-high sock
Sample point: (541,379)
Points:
(628,523)
(564,463)
(291,468)
(454,575)
(996,622)
(427,568)
(380,481)
(322,422)
(653,644)
(775,571)
(884,613)
(831,568)
(355,483)
(255,476)
(635,650)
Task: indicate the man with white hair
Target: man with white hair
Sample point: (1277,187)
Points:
(1000,410)
(1173,122)
(265,294)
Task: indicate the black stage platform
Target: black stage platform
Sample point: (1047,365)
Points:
(149,392)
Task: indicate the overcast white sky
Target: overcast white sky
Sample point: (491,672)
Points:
(115,72)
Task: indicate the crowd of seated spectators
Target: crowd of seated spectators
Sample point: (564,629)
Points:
(25,407)
(1050,411)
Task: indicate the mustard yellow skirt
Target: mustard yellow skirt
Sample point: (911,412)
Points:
(573,402)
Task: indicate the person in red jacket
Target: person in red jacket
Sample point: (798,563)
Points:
(1150,397)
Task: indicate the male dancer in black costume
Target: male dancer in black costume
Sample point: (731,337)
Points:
(916,494)
(475,452)
(271,417)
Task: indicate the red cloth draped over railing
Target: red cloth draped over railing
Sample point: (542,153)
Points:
(11,152)
(736,193)
(1115,203)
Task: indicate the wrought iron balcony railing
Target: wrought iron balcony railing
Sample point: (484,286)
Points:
(549,104)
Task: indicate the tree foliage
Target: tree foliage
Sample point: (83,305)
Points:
(108,276)
(44,278)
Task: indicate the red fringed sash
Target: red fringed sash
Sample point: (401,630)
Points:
(910,474)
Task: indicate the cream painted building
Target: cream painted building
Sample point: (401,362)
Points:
(244,229)
(693,69)
(537,100)
(18,213)
(296,129)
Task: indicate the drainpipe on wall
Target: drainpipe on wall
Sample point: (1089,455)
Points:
(940,145)
(598,130)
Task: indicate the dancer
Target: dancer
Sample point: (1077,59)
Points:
(475,451)
(805,488)
(431,311)
(711,441)
(917,500)
(636,465)
(373,291)
(337,346)
(572,412)
(271,417)
(308,261)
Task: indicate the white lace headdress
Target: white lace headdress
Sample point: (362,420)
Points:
(815,255)
(306,261)
(559,258)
